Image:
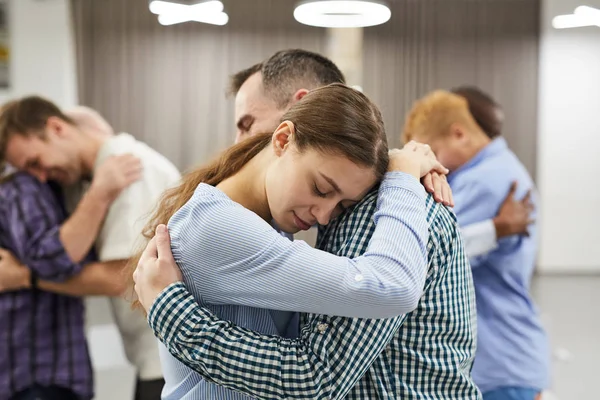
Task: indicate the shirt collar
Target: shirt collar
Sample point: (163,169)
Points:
(496,146)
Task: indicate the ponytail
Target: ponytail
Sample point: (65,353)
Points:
(227,164)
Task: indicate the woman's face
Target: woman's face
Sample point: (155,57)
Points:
(307,188)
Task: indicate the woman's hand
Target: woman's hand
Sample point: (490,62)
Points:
(416,159)
(438,186)
(419,160)
(156,269)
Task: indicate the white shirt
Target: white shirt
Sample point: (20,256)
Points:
(120,237)
(479,238)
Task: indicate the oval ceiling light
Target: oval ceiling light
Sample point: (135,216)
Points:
(212,19)
(165,7)
(342,13)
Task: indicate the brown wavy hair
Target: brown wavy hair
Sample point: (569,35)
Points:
(333,119)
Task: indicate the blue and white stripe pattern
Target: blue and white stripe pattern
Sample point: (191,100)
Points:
(229,255)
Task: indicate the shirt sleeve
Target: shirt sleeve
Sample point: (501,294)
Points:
(328,359)
(476,202)
(325,362)
(33,229)
(480,238)
(229,255)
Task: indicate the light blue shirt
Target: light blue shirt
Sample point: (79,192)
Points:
(512,348)
(242,269)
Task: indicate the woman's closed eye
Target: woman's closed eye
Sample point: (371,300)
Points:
(318,192)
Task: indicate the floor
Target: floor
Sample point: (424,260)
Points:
(568,305)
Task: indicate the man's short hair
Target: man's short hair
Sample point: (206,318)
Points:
(485,110)
(433,115)
(287,71)
(26,117)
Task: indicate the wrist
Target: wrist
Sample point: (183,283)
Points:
(99,197)
(501,227)
(26,278)
(406,166)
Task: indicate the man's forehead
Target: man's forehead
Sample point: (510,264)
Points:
(253,102)
(19,149)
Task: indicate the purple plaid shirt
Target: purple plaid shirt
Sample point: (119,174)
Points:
(42,337)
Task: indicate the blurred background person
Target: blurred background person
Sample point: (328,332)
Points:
(41,140)
(512,360)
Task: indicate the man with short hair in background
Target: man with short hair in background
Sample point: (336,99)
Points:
(36,137)
(512,361)
(42,334)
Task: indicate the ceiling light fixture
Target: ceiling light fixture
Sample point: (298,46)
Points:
(208,12)
(581,17)
(342,13)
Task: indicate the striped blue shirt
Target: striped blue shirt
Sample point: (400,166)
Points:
(241,268)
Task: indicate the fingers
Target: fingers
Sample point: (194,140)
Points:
(150,252)
(447,192)
(127,162)
(132,176)
(437,185)
(163,243)
(130,164)
(412,145)
(529,208)
(136,274)
(428,183)
(527,203)
(439,168)
(512,190)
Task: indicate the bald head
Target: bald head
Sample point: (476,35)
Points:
(90,120)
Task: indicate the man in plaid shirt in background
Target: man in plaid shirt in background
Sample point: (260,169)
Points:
(44,354)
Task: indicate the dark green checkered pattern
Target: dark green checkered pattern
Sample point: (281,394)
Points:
(427,354)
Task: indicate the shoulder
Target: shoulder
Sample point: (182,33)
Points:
(212,227)
(493,176)
(209,211)
(124,143)
(356,220)
(442,221)
(21,184)
(444,246)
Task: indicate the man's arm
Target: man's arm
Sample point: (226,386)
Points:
(385,281)
(81,229)
(324,363)
(95,279)
(329,358)
(514,218)
(30,219)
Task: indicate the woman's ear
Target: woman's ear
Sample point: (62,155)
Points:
(282,137)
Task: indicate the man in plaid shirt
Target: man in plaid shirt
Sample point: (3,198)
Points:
(426,354)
